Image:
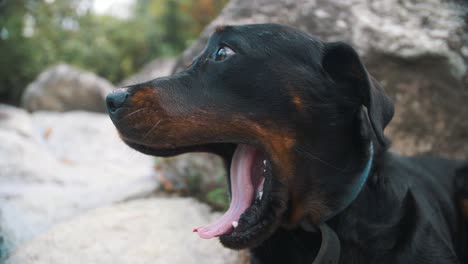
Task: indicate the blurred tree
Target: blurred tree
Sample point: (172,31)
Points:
(13,58)
(35,34)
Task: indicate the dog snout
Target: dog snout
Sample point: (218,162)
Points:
(116,100)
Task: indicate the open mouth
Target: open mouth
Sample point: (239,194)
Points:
(255,204)
(247,179)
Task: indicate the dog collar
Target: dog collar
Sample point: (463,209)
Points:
(330,248)
(361,180)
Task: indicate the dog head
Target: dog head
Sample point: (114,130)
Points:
(292,115)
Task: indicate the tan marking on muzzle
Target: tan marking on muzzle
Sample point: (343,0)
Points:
(145,97)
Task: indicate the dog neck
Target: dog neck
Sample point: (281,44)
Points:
(349,223)
(330,247)
(359,184)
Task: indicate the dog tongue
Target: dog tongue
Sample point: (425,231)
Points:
(242,192)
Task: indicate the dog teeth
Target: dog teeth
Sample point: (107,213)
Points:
(259,195)
(235,224)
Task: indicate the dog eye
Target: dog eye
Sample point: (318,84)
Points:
(223,53)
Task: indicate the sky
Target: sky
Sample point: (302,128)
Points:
(118,8)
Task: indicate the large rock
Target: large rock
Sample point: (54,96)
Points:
(63,88)
(199,175)
(156,68)
(55,166)
(15,120)
(144,231)
(417,49)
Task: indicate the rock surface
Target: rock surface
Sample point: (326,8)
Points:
(418,50)
(156,68)
(55,166)
(140,231)
(64,88)
(199,175)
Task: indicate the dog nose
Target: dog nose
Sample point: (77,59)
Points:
(116,99)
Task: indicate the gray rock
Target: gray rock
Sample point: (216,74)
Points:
(156,68)
(55,166)
(156,230)
(15,119)
(63,88)
(417,49)
(199,175)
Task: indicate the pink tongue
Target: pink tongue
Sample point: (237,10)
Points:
(242,192)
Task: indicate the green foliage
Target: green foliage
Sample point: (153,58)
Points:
(36,34)
(214,194)
(218,199)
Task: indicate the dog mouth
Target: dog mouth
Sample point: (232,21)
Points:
(247,180)
(253,212)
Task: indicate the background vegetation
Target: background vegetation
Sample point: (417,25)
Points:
(35,34)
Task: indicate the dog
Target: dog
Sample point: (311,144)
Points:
(300,125)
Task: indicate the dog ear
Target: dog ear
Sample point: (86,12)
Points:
(341,62)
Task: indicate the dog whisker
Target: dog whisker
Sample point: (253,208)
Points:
(312,156)
(153,128)
(132,113)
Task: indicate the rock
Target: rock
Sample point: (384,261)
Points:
(63,88)
(15,119)
(154,69)
(416,49)
(157,230)
(55,166)
(199,175)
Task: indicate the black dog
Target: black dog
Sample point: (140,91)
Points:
(300,125)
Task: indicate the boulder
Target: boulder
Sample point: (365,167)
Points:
(157,230)
(63,88)
(55,166)
(156,68)
(15,120)
(418,50)
(199,175)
